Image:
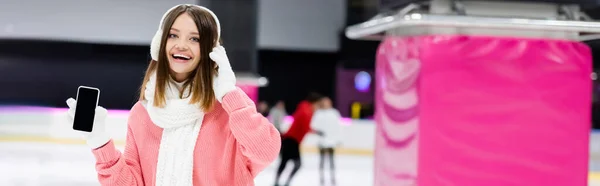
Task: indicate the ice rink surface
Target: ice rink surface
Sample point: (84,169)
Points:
(47,164)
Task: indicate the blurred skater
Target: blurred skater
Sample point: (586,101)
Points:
(326,120)
(277,114)
(263,108)
(292,139)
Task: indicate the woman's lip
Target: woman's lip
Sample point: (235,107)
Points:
(181,55)
(179,60)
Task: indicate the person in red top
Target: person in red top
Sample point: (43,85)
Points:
(292,139)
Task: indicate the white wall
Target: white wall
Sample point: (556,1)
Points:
(50,124)
(300,25)
(356,135)
(100,21)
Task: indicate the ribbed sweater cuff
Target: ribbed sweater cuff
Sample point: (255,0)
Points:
(235,100)
(106,153)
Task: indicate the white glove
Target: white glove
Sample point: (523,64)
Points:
(225,81)
(98,137)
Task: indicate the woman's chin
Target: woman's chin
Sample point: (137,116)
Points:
(181,68)
(179,72)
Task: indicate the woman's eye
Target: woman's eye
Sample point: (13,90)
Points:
(195,39)
(172,36)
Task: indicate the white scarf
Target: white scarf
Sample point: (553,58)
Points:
(181,123)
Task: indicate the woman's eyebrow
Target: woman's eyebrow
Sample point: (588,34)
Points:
(193,33)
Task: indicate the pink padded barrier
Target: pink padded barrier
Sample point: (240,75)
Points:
(504,111)
(493,111)
(396,114)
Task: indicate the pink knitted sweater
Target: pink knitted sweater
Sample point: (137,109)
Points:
(235,143)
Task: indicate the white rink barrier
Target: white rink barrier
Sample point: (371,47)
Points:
(52,125)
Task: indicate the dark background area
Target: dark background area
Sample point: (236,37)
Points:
(293,74)
(48,72)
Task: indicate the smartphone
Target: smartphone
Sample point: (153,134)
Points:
(87,101)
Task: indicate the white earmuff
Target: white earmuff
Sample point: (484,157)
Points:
(155,44)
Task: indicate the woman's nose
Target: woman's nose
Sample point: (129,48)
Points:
(181,46)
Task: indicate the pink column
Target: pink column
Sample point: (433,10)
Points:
(250,89)
(396,114)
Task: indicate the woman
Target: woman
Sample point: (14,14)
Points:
(192,125)
(327,119)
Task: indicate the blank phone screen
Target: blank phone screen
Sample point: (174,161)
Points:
(85,110)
